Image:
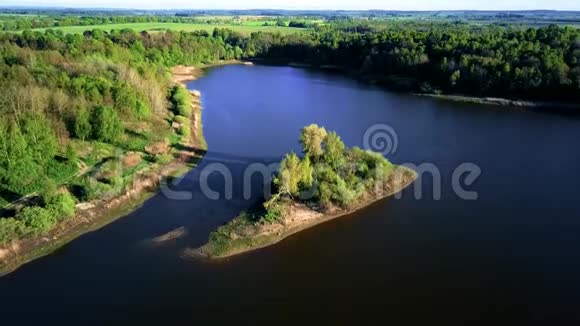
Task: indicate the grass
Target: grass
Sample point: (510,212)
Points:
(244,29)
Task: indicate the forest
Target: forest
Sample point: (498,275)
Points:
(542,64)
(71,102)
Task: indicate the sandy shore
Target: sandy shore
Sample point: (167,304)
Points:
(502,101)
(184,74)
(297,217)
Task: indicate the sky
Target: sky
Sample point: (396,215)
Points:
(308,4)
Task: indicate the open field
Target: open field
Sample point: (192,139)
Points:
(244,29)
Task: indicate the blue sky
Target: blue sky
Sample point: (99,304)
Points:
(309,4)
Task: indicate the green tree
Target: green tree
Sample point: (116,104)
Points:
(83,128)
(289,174)
(333,149)
(19,170)
(293,174)
(311,138)
(181,100)
(107,126)
(62,204)
(38,219)
(40,138)
(71,154)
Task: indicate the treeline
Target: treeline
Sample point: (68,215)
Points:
(18,23)
(485,61)
(531,63)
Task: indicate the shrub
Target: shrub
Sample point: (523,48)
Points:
(59,172)
(93,189)
(142,110)
(37,219)
(342,194)
(181,119)
(185,130)
(62,205)
(181,100)
(11,229)
(71,155)
(333,149)
(83,128)
(164,158)
(106,124)
(272,214)
(117,182)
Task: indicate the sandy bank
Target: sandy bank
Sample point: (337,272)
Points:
(503,101)
(183,74)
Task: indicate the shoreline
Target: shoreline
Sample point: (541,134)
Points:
(499,101)
(182,74)
(301,217)
(460,98)
(91,216)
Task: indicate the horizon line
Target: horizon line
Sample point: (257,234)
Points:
(279,9)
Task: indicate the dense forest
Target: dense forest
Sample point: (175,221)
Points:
(70,101)
(521,63)
(487,61)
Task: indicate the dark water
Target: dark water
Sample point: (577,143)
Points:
(510,256)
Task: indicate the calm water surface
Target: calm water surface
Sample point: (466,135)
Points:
(510,256)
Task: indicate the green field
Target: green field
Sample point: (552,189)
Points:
(244,29)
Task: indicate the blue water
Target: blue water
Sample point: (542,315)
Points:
(508,257)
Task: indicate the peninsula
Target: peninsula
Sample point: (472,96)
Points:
(330,181)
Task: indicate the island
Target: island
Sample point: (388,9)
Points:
(328,182)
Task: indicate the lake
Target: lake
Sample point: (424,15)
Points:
(509,256)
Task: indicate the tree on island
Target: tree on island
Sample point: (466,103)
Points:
(333,174)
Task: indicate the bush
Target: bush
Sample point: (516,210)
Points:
(181,100)
(37,219)
(181,119)
(185,130)
(272,214)
(164,158)
(117,182)
(106,124)
(93,189)
(83,128)
(142,110)
(342,194)
(59,172)
(62,205)
(11,229)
